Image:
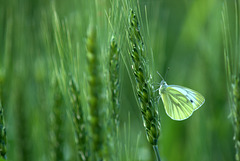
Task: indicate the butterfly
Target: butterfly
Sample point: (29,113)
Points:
(179,102)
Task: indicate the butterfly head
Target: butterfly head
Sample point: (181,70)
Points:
(163,86)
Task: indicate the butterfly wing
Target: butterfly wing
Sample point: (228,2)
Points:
(180,102)
(193,96)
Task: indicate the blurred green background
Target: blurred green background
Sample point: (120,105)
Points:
(185,36)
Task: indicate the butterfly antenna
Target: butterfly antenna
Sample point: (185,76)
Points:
(165,76)
(160,75)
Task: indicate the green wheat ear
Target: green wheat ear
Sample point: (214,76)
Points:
(114,81)
(149,112)
(236,115)
(95,103)
(57,124)
(3,148)
(78,121)
(232,65)
(146,99)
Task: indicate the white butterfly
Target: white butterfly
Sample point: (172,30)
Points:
(179,102)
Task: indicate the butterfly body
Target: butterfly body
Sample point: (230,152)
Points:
(179,102)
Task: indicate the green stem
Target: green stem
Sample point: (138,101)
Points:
(155,148)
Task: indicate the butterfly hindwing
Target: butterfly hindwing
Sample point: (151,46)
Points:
(181,102)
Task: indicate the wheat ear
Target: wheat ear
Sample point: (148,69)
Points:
(144,88)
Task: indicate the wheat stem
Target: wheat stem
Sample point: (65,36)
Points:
(155,148)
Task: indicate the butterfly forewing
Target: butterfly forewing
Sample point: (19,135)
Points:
(176,104)
(194,97)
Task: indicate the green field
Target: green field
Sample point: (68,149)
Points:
(79,79)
